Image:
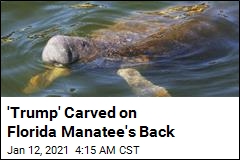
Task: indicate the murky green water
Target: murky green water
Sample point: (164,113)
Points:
(26,27)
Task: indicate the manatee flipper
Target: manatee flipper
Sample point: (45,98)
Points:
(44,79)
(140,85)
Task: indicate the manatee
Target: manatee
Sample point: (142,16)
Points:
(44,79)
(131,40)
(142,34)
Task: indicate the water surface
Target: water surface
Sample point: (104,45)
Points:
(27,26)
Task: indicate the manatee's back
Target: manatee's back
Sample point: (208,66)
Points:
(127,31)
(141,25)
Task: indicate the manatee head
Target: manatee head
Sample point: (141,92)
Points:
(63,50)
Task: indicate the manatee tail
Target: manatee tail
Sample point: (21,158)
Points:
(140,85)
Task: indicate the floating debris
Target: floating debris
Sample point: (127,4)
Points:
(181,11)
(43,34)
(85,5)
(7,38)
(198,8)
